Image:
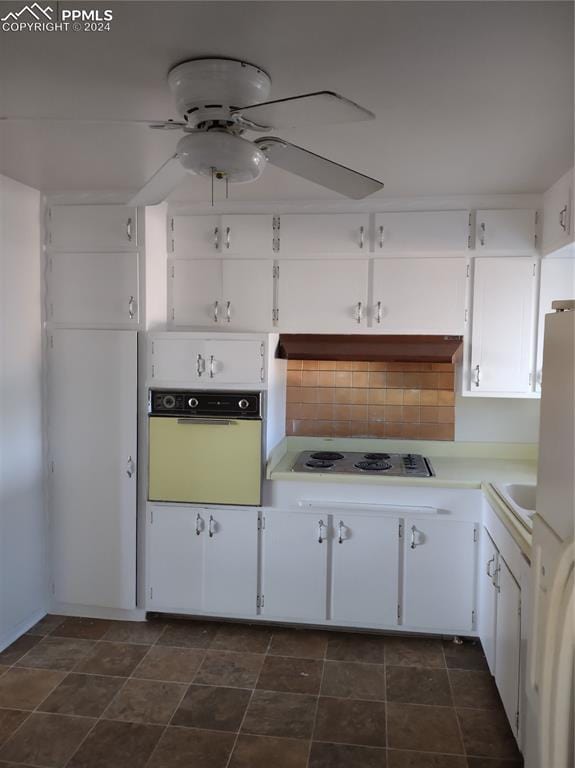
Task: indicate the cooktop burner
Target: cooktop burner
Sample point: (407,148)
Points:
(355,463)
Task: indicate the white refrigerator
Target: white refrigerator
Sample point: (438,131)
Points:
(550,679)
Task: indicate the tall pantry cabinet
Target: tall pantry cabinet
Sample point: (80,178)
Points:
(95,306)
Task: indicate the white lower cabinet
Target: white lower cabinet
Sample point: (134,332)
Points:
(92,411)
(439,574)
(294,565)
(202,560)
(365,569)
(322,295)
(488,564)
(508,642)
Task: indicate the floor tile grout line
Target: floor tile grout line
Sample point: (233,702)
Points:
(459,729)
(314,723)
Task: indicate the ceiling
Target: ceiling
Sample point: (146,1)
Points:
(470,97)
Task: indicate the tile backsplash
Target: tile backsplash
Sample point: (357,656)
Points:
(364,399)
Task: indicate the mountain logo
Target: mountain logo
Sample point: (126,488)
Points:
(35,10)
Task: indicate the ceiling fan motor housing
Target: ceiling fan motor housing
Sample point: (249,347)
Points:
(222,154)
(207,89)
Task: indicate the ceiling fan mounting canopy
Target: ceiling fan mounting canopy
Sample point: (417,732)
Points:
(221,154)
(209,89)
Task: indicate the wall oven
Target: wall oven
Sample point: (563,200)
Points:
(205,447)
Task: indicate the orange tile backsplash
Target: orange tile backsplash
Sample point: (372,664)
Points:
(327,398)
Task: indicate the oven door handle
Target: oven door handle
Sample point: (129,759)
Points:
(211,422)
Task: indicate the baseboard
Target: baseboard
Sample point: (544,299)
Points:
(96,612)
(15,632)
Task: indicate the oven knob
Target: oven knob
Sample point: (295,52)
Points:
(169,401)
(244,404)
(193,402)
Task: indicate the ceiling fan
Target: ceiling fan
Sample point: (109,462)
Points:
(209,95)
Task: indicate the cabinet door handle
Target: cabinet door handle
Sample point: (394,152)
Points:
(358,312)
(495,580)
(413,543)
(482,233)
(379,311)
(229,311)
(211,527)
(131,467)
(320,535)
(488,569)
(212,369)
(477,375)
(361,236)
(199,522)
(216,310)
(340,528)
(381,231)
(132,307)
(216,238)
(129,229)
(563,219)
(200,365)
(228,233)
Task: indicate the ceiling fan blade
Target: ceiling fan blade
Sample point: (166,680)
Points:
(318,169)
(158,187)
(320,108)
(169,124)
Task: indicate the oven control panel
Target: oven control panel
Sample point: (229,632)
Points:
(178,402)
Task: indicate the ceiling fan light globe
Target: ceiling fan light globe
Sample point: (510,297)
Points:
(222,154)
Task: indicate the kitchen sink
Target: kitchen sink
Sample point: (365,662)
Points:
(520,498)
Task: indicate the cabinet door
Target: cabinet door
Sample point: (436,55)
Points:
(194,237)
(365,569)
(557,209)
(88,228)
(439,574)
(508,642)
(416,232)
(248,294)
(196,292)
(248,235)
(419,295)
(96,289)
(488,562)
(506,232)
(231,561)
(502,334)
(323,233)
(322,295)
(294,570)
(178,360)
(176,558)
(93,444)
(557,282)
(235,362)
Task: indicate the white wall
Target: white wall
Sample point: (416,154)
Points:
(22,520)
(496,420)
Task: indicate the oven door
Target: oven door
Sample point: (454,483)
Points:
(205,460)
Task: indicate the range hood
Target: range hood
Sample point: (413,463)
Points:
(376,348)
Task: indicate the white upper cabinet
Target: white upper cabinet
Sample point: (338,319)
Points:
(502,338)
(194,237)
(322,295)
(173,358)
(421,295)
(94,289)
(558,214)
(365,552)
(557,282)
(93,446)
(439,574)
(415,232)
(89,228)
(247,294)
(247,235)
(507,232)
(327,234)
(195,291)
(233,361)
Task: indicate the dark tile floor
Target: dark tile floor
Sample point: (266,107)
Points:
(86,693)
